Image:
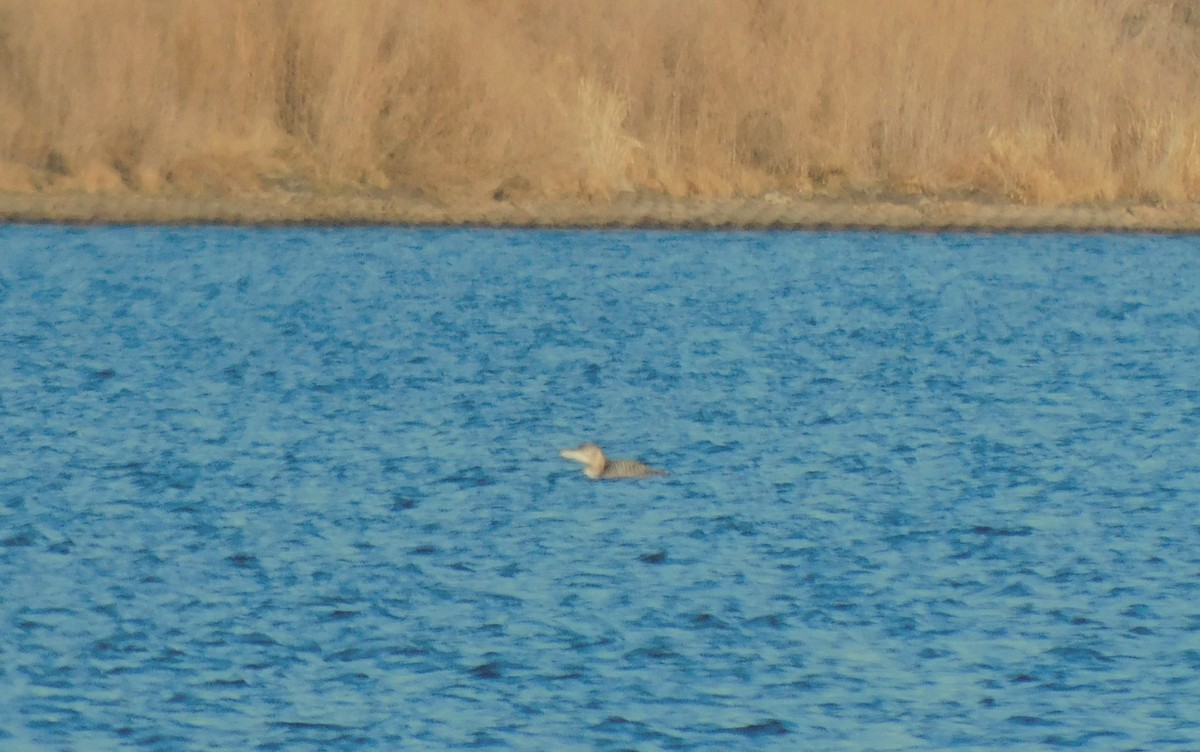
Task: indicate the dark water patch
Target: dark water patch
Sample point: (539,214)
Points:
(97,378)
(1080,657)
(1016,589)
(1139,611)
(1001,532)
(26,535)
(708,621)
(311,726)
(616,723)
(1085,740)
(402,502)
(243,560)
(657,651)
(225,683)
(488,670)
(260,639)
(1066,617)
(770,727)
(512,569)
(772,621)
(1030,720)
(470,477)
(1118,312)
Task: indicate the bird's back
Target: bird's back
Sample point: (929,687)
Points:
(629,469)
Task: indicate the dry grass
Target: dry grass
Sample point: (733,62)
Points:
(1043,101)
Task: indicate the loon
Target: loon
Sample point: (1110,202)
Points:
(597,467)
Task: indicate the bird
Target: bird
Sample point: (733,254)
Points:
(597,467)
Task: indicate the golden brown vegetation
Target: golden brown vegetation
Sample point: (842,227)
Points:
(1034,100)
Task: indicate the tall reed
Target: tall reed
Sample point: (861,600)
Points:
(1032,100)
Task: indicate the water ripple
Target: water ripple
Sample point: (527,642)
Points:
(299,489)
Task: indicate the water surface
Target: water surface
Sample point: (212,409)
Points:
(299,489)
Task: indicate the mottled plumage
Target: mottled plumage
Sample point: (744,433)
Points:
(597,467)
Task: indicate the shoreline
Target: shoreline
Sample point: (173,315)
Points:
(627,211)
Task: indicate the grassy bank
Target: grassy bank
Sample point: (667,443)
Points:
(1036,101)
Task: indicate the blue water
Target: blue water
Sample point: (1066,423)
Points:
(300,490)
